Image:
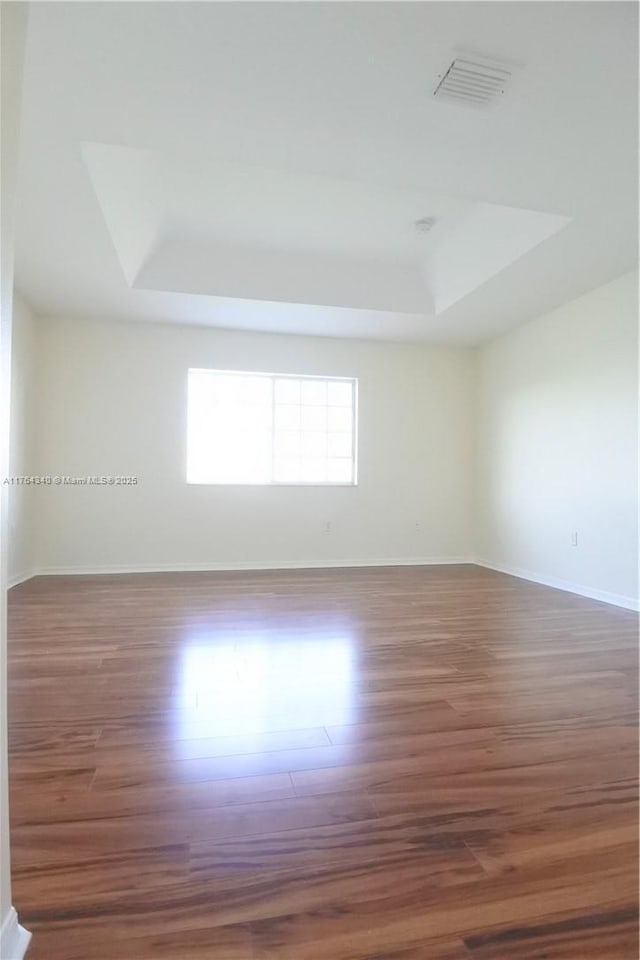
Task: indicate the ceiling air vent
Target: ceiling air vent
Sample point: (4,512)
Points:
(473,83)
(425,224)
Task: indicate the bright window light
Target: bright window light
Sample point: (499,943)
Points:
(264,428)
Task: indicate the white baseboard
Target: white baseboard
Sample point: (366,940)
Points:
(14,939)
(617,599)
(211,567)
(20,578)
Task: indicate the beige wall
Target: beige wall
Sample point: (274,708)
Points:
(558,445)
(13,24)
(113,401)
(532,438)
(22,443)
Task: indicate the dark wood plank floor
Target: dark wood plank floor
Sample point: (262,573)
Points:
(435,763)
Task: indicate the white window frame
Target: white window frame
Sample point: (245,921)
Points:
(283,483)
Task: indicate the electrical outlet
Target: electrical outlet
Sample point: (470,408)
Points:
(574,538)
(327,527)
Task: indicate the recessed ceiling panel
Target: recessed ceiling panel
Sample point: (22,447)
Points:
(258,234)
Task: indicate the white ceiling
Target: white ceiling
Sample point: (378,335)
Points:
(261,165)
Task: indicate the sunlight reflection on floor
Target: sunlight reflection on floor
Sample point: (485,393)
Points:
(264,680)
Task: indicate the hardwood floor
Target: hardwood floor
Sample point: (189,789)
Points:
(429,763)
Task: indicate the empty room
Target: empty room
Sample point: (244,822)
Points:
(319,481)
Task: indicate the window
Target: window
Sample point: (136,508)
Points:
(268,428)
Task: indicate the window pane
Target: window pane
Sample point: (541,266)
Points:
(314,392)
(339,393)
(286,470)
(287,390)
(220,456)
(339,444)
(234,389)
(314,470)
(286,445)
(242,463)
(229,430)
(339,471)
(314,445)
(260,428)
(340,419)
(287,418)
(253,390)
(313,418)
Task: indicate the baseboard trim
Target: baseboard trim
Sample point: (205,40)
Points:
(20,578)
(14,939)
(616,599)
(247,565)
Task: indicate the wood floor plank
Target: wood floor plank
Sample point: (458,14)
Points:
(185,905)
(395,839)
(76,942)
(82,839)
(386,920)
(202,748)
(496,788)
(592,935)
(113,876)
(112,774)
(426,950)
(59,805)
(429,763)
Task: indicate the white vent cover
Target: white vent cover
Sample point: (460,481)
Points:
(425,224)
(474,83)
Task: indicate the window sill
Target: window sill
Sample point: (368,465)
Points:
(287,483)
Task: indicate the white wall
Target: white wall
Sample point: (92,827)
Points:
(13,24)
(558,445)
(21,451)
(113,402)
